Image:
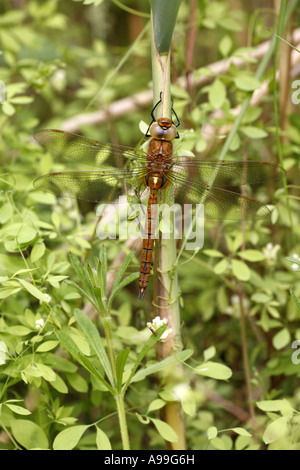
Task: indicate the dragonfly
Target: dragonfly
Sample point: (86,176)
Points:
(119,168)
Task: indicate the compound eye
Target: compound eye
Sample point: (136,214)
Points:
(171,133)
(156,131)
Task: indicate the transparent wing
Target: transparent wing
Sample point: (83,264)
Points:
(218,203)
(87,151)
(226,173)
(94,186)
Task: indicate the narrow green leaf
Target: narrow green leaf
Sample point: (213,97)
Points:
(102,269)
(92,369)
(160,365)
(122,271)
(92,300)
(95,340)
(132,277)
(147,346)
(78,268)
(120,364)
(69,438)
(295,299)
(71,347)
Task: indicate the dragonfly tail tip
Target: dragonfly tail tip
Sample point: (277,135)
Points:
(142,291)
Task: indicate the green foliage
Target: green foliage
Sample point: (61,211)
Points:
(58,380)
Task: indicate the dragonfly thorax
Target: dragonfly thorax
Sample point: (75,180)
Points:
(155,180)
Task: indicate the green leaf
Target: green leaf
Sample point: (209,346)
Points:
(276,429)
(102,440)
(33,290)
(221,267)
(69,438)
(132,277)
(252,255)
(241,432)
(78,383)
(240,270)
(37,252)
(209,353)
(213,253)
(281,339)
(274,405)
(156,404)
(81,273)
(165,430)
(160,365)
(120,364)
(253,132)
(147,346)
(164,20)
(59,385)
(225,45)
(217,94)
(47,346)
(95,340)
(246,83)
(212,432)
(17,409)
(121,273)
(295,299)
(214,370)
(71,347)
(29,434)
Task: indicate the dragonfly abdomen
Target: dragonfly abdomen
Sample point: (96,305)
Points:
(148,243)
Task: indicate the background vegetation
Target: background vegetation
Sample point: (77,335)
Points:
(85,67)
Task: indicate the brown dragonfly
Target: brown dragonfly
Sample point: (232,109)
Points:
(193,179)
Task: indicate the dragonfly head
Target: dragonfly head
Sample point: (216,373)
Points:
(163,129)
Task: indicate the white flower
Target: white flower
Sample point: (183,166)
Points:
(181,391)
(39,324)
(295,266)
(270,252)
(156,323)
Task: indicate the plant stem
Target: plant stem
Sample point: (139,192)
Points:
(167,286)
(122,421)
